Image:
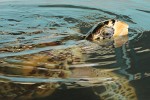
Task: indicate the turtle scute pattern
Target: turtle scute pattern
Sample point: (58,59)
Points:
(25,91)
(44,64)
(47,64)
(55,64)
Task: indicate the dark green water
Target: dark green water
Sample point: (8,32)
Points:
(30,23)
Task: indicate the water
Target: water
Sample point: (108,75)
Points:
(28,28)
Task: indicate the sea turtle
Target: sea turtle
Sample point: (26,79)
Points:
(59,66)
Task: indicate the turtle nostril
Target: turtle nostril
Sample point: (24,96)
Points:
(98,38)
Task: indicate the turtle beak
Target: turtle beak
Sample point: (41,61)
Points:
(120,33)
(121,28)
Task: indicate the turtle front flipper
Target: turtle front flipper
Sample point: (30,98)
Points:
(115,91)
(106,84)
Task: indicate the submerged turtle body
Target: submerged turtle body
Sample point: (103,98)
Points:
(58,64)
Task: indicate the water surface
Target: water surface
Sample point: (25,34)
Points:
(30,27)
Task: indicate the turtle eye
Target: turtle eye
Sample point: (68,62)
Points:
(107,34)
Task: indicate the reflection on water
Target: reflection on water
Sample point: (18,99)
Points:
(40,49)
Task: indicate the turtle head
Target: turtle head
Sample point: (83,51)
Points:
(105,31)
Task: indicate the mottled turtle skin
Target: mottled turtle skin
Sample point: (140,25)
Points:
(56,64)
